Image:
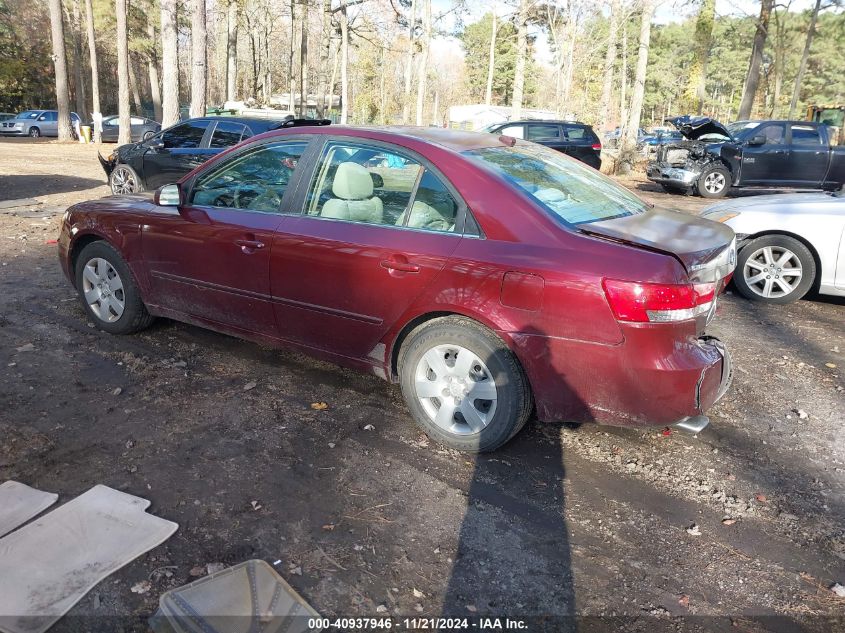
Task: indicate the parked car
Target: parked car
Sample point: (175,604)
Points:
(172,153)
(611,138)
(568,137)
(488,276)
(788,244)
(715,158)
(5,116)
(658,138)
(35,123)
(141,128)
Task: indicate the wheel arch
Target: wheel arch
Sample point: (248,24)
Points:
(78,245)
(816,259)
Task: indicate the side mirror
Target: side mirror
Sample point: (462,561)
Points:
(155,143)
(758,139)
(168,196)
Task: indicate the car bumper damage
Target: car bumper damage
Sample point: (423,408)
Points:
(680,164)
(107,164)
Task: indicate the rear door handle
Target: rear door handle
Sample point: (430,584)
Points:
(248,245)
(404,267)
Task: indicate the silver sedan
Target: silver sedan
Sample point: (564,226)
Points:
(787,244)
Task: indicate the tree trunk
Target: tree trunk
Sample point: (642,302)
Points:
(199,72)
(609,63)
(521,55)
(232,51)
(382,93)
(125,130)
(409,65)
(291,65)
(333,78)
(344,66)
(799,78)
(623,80)
(491,63)
(752,78)
(95,73)
(629,140)
(57,33)
(325,53)
(79,74)
(169,64)
(695,92)
(152,69)
(422,77)
(133,85)
(303,61)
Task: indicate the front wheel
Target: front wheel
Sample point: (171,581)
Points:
(714,182)
(774,269)
(123,180)
(463,385)
(108,290)
(34,132)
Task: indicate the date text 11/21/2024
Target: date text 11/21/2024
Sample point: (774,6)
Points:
(420,623)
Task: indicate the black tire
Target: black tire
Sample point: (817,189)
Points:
(714,182)
(513,403)
(34,132)
(127,174)
(779,244)
(134,316)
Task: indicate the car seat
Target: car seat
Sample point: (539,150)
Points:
(353,200)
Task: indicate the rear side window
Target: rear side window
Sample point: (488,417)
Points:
(538,132)
(579,133)
(226,134)
(805,135)
(187,135)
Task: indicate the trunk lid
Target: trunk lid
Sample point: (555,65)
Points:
(707,249)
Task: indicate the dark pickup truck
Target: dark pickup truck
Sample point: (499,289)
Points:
(712,158)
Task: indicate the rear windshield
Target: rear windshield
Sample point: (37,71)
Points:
(570,190)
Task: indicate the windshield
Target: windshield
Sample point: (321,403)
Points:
(571,191)
(739,127)
(29,114)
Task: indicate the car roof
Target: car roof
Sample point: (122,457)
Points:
(558,121)
(452,139)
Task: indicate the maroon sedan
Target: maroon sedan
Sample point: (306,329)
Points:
(490,277)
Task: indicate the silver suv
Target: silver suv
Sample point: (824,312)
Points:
(36,123)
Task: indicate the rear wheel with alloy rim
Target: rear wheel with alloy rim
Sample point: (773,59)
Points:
(464,387)
(774,269)
(123,180)
(714,182)
(108,290)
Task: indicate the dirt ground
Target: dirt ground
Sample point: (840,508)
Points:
(589,522)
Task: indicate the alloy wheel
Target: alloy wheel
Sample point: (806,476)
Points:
(456,389)
(772,272)
(103,290)
(714,182)
(123,181)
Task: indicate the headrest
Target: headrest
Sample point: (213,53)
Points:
(352,182)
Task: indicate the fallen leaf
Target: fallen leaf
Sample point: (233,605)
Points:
(381,608)
(838,589)
(694,530)
(256,505)
(684,601)
(26,347)
(250,385)
(197,571)
(369,427)
(141,587)
(471,608)
(116,391)
(831,365)
(761,497)
(319,406)
(418,593)
(328,527)
(728,521)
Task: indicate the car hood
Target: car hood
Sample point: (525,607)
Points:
(694,127)
(705,248)
(785,202)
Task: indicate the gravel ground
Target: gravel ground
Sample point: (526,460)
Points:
(739,528)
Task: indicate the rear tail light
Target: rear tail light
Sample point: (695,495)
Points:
(658,303)
(597,146)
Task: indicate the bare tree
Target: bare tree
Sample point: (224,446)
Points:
(232,50)
(169,64)
(802,67)
(521,55)
(422,74)
(133,85)
(291,51)
(152,66)
(326,31)
(199,70)
(57,32)
(79,77)
(344,64)
(609,63)
(409,64)
(752,78)
(125,131)
(491,62)
(629,140)
(95,74)
(303,61)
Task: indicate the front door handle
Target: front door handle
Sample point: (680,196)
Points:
(247,246)
(403,267)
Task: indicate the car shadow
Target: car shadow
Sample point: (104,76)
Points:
(513,556)
(33,185)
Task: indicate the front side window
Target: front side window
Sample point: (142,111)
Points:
(256,180)
(28,114)
(571,191)
(188,135)
(805,135)
(226,134)
(774,133)
(115,122)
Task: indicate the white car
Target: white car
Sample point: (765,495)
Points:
(787,244)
